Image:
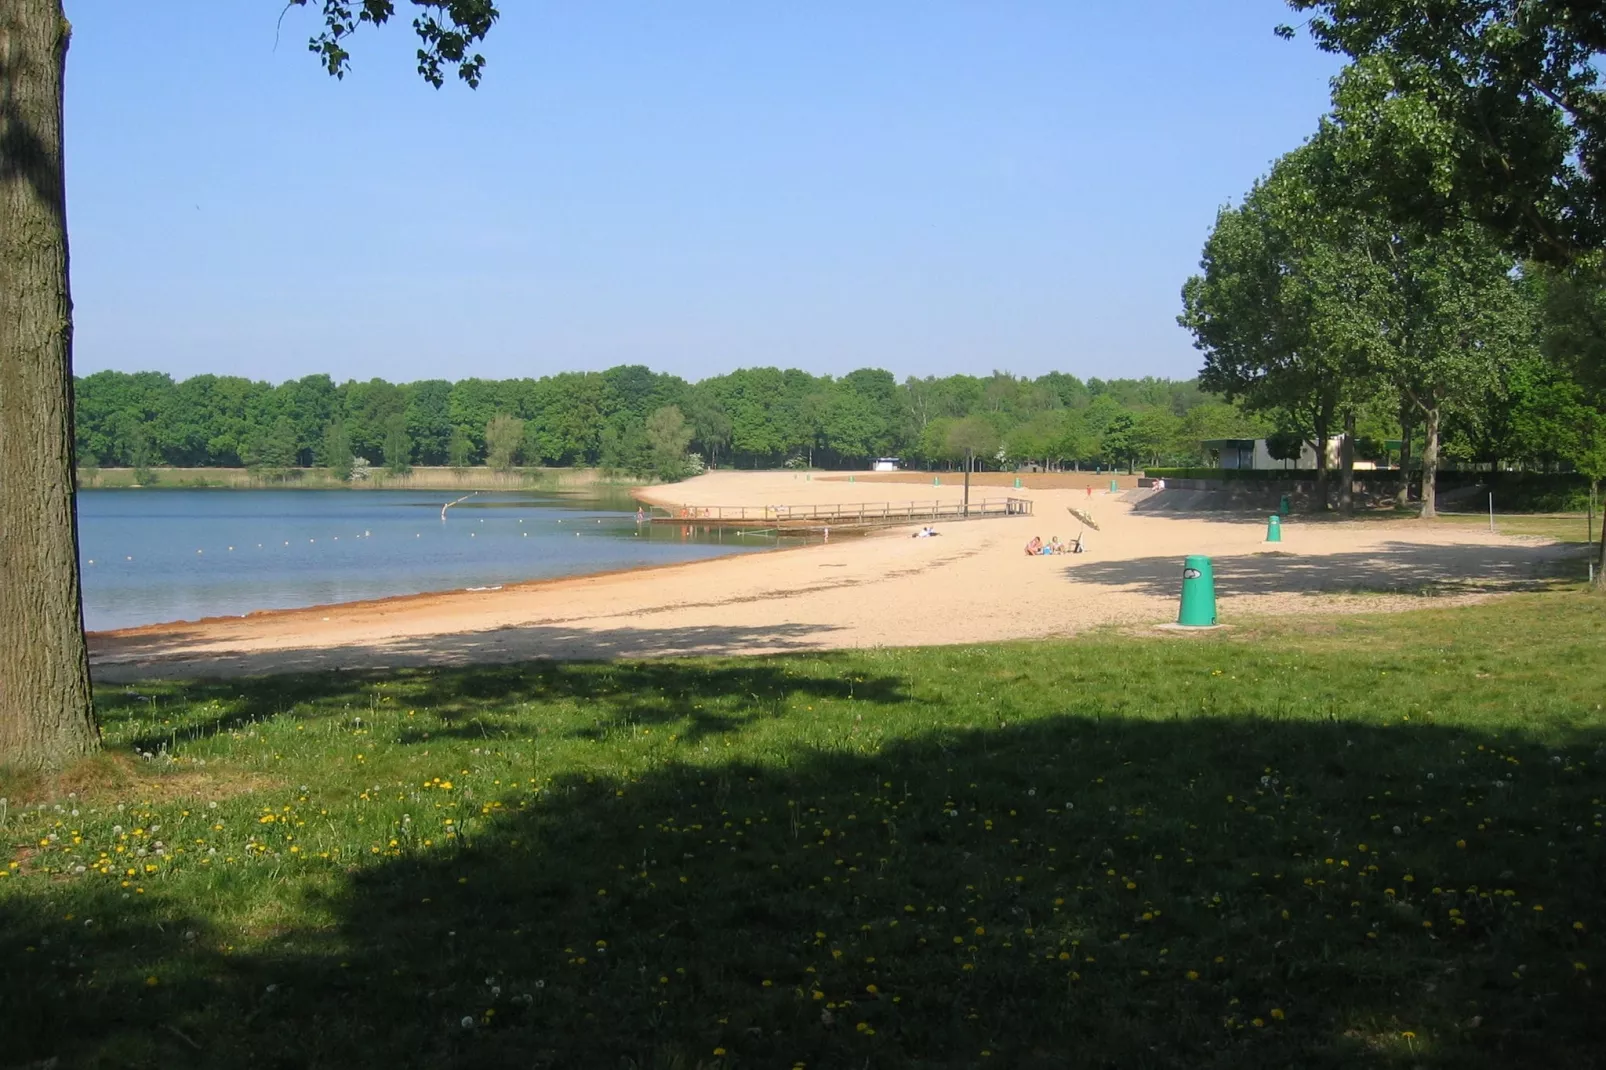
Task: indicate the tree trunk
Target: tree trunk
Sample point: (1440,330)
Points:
(45,712)
(1600,555)
(1403,499)
(1346,468)
(1324,428)
(1430,466)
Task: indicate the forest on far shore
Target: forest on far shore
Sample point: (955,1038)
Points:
(633,419)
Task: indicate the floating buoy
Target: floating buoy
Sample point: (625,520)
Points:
(91,560)
(231,549)
(130,557)
(199,551)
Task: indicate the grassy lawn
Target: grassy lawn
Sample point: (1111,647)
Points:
(1327,842)
(1563,527)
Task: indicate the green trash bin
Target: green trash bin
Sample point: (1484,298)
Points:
(1198,594)
(1017,482)
(1112,486)
(1274,528)
(1283,508)
(936,481)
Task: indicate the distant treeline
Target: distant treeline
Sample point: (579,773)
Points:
(632,419)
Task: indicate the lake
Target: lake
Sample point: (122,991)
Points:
(154,555)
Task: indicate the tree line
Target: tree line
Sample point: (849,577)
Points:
(633,419)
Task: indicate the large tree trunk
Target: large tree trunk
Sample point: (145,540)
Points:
(45,712)
(1403,499)
(1430,465)
(1346,468)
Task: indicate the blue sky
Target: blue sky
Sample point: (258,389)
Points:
(927,186)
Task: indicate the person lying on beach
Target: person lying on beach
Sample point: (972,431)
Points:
(925,533)
(1034,547)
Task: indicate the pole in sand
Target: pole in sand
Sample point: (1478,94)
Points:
(1274,528)
(1491,510)
(1198,594)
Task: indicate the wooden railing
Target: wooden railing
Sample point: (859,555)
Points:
(855,513)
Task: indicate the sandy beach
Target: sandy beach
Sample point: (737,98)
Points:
(973,583)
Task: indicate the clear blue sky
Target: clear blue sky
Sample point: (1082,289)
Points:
(927,186)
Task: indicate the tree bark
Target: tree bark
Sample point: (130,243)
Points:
(1430,465)
(1600,553)
(1403,499)
(1324,431)
(1346,468)
(46,716)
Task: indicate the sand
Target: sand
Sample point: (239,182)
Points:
(971,584)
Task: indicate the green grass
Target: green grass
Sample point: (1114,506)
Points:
(1563,527)
(1326,842)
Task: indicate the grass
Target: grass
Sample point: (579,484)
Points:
(1563,527)
(1322,842)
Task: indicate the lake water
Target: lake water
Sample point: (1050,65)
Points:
(153,555)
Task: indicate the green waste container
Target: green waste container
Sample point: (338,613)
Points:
(1198,594)
(1274,528)
(1112,486)
(1283,508)
(1017,482)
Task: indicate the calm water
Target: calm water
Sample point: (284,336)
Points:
(164,555)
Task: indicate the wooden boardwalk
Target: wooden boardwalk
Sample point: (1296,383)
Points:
(858,514)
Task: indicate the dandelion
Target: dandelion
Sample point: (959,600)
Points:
(719,1051)
(1277,1013)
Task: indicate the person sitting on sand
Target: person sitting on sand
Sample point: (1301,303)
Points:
(1055,546)
(1034,547)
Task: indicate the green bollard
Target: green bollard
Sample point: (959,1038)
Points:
(936,481)
(1274,528)
(1198,594)
(850,479)
(1283,508)
(1112,486)
(1017,482)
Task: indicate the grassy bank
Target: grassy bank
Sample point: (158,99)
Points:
(419,478)
(1329,842)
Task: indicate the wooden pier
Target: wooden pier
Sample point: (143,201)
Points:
(858,514)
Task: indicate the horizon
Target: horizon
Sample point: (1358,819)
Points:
(929,191)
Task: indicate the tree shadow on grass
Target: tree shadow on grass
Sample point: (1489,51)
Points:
(1394,567)
(1080,891)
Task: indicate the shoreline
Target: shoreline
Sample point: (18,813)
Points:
(399,600)
(971,585)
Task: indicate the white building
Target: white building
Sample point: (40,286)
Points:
(1252,453)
